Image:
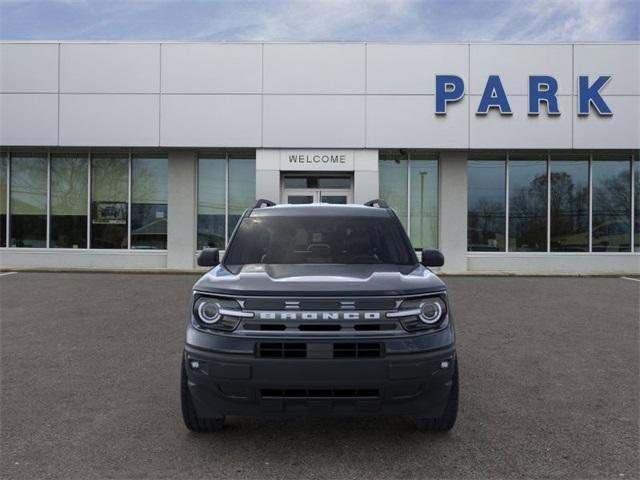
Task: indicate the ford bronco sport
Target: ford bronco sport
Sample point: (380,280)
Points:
(319,310)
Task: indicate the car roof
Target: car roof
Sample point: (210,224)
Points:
(320,209)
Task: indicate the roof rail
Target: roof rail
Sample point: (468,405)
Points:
(377,202)
(263,202)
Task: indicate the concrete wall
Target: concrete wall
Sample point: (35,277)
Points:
(306,95)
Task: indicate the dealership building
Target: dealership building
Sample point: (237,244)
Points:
(507,157)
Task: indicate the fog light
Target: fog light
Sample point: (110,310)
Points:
(444,364)
(194,364)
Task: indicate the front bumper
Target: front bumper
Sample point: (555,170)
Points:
(412,376)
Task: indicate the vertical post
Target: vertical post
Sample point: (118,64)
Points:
(8,222)
(226,200)
(452,167)
(633,205)
(181,213)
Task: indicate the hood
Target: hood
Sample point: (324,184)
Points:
(320,280)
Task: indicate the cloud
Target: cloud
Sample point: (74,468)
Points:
(331,20)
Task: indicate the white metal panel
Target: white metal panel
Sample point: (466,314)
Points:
(109,68)
(28,119)
(28,68)
(521,130)
(514,64)
(411,69)
(621,130)
(211,68)
(314,68)
(409,121)
(313,121)
(211,120)
(109,120)
(620,61)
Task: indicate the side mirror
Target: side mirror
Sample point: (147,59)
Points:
(432,258)
(209,257)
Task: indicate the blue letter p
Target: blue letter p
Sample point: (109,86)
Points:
(449,88)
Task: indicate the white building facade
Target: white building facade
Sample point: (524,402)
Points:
(507,157)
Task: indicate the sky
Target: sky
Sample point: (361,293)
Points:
(321,20)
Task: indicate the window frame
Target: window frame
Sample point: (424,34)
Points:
(633,159)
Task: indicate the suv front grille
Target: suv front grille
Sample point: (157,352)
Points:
(306,393)
(336,350)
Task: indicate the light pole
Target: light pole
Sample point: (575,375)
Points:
(422,175)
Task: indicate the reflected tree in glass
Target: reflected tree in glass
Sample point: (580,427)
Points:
(109,197)
(569,205)
(611,231)
(149,197)
(211,202)
(486,205)
(69,183)
(28,226)
(528,205)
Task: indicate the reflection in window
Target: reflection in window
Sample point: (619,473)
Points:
(424,201)
(528,203)
(569,203)
(149,196)
(242,188)
(4,161)
(636,189)
(28,226)
(393,173)
(109,196)
(611,181)
(486,203)
(211,202)
(69,201)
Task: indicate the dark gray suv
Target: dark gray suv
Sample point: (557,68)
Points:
(320,310)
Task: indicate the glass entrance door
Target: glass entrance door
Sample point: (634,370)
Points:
(297,189)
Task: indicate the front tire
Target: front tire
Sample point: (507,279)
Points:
(192,420)
(447,420)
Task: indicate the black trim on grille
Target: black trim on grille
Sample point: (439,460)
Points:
(300,350)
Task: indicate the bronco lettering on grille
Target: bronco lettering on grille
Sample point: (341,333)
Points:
(319,315)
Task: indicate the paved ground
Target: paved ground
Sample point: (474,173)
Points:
(549,378)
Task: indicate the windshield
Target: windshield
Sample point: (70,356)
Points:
(320,239)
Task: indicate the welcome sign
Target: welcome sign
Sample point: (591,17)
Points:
(317,160)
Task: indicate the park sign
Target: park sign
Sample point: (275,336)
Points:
(542,89)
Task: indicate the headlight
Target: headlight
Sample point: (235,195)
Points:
(422,313)
(217,313)
(431,310)
(208,310)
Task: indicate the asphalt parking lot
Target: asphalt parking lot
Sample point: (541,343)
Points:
(90,376)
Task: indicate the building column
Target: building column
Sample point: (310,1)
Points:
(181,218)
(366,183)
(453,211)
(268,174)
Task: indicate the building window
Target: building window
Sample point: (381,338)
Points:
(569,209)
(487,204)
(149,196)
(28,204)
(528,203)
(4,165)
(580,202)
(68,208)
(409,184)
(226,187)
(109,201)
(611,184)
(636,202)
(242,187)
